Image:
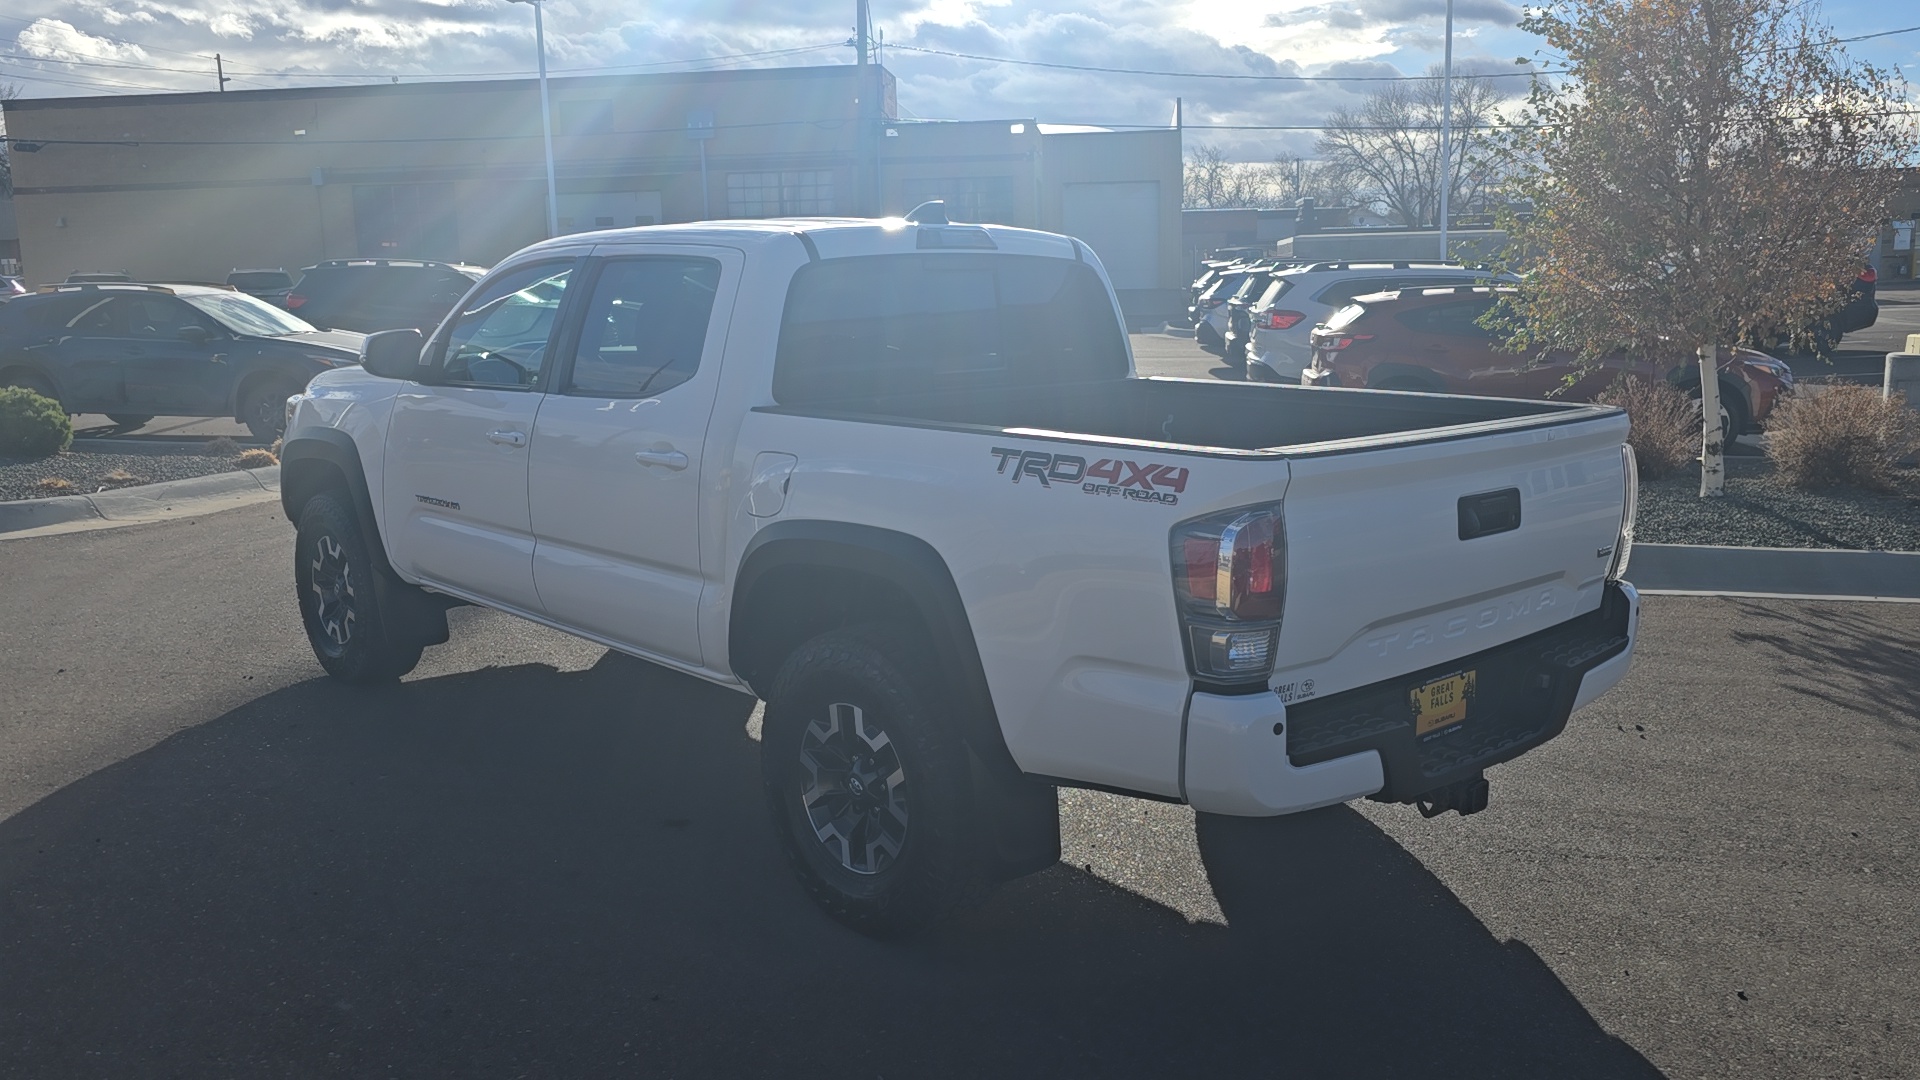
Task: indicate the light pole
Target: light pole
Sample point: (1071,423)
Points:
(1446,137)
(546,115)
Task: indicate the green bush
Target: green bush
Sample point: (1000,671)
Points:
(32,426)
(1666,424)
(1842,435)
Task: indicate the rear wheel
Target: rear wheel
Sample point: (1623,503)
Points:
(868,786)
(264,408)
(352,634)
(1733,412)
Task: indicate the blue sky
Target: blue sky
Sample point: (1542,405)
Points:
(67,47)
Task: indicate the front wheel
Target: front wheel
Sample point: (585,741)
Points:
(868,786)
(333,570)
(264,409)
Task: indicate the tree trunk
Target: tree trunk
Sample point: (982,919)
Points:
(1713,467)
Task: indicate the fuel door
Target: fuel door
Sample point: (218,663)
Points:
(767,492)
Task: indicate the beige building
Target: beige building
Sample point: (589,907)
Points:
(190,186)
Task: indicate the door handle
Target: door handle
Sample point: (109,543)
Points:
(507,438)
(672,459)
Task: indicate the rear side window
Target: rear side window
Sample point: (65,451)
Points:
(645,327)
(1341,293)
(1454,320)
(873,326)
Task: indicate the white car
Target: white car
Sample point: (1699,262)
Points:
(1302,298)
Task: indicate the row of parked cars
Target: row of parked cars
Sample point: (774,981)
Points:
(1418,326)
(101,342)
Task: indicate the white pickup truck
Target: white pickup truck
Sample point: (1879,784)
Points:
(899,479)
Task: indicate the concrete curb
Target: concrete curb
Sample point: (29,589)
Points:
(131,506)
(1784,573)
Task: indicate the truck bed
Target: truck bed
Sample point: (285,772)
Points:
(1202,415)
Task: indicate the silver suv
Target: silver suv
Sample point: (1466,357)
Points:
(1303,297)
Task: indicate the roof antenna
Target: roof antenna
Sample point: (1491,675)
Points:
(931,212)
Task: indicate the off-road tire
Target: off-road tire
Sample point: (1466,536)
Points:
(340,599)
(851,688)
(264,408)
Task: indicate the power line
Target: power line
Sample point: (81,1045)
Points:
(1219,75)
(1881,34)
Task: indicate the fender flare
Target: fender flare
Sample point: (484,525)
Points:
(310,457)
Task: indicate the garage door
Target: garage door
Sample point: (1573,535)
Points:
(1121,223)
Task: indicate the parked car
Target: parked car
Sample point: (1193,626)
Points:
(1300,298)
(83,277)
(380,294)
(1431,340)
(269,285)
(1239,331)
(11,287)
(963,553)
(1210,309)
(135,352)
(1209,273)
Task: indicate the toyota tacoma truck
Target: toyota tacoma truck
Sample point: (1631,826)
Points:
(899,479)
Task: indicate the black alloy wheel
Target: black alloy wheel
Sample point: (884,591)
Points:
(868,785)
(264,409)
(340,599)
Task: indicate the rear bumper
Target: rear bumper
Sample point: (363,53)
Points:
(1252,756)
(1285,359)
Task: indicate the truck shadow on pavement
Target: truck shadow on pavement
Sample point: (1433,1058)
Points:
(518,871)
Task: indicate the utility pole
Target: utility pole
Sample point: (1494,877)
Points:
(220,71)
(866,146)
(1446,138)
(546,114)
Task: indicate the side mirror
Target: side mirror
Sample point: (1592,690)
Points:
(394,354)
(199,335)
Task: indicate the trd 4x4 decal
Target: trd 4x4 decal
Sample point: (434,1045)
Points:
(1140,481)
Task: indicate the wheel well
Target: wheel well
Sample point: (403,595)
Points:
(795,602)
(257,379)
(12,371)
(302,479)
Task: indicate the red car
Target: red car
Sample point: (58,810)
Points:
(1431,340)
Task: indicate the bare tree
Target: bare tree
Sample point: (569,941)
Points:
(1389,147)
(1213,182)
(1295,178)
(1710,172)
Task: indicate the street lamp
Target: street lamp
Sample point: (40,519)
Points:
(546,116)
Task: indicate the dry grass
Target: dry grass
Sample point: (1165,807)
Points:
(275,449)
(1666,424)
(222,447)
(1846,435)
(122,476)
(55,483)
(256,458)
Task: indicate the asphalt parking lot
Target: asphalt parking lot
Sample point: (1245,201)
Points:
(535,858)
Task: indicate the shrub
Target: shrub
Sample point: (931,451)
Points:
(32,426)
(55,483)
(1842,435)
(1666,424)
(221,447)
(256,458)
(122,476)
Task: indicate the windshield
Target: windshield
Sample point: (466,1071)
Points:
(244,314)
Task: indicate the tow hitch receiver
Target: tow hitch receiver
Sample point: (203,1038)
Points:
(1468,796)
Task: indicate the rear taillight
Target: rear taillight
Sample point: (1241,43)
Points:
(1333,343)
(294,300)
(1230,578)
(1283,320)
(1623,545)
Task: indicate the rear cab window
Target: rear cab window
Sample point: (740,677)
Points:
(863,328)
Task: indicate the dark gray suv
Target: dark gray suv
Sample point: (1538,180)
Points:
(380,294)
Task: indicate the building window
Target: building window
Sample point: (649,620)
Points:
(968,198)
(790,192)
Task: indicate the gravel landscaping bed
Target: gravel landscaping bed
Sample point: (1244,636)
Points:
(87,472)
(1759,511)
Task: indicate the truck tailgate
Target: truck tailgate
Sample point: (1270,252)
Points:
(1400,558)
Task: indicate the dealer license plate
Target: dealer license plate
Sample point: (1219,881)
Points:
(1441,703)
